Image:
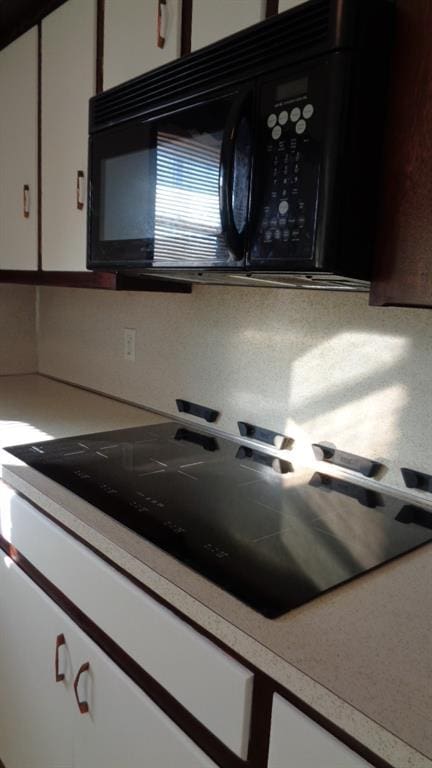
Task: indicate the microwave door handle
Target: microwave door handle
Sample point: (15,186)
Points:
(233,238)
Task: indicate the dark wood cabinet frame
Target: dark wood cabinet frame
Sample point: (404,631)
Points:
(264,686)
(403,264)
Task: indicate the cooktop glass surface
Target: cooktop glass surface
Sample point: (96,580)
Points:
(273,537)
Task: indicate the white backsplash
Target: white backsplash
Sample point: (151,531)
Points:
(17,329)
(316,366)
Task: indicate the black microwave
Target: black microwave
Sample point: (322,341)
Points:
(254,160)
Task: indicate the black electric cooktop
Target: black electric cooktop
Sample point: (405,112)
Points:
(273,537)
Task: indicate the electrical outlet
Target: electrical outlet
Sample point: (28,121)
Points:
(129,344)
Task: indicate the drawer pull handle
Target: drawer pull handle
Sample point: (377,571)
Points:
(59,676)
(26,201)
(82,705)
(80,190)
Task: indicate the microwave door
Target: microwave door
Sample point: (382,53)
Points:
(172,193)
(202,186)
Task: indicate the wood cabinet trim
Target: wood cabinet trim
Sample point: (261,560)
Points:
(264,686)
(26,14)
(186,27)
(403,271)
(100,32)
(103,280)
(272,8)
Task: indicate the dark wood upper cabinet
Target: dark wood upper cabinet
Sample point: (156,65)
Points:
(403,268)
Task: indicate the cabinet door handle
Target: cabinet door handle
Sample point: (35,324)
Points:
(59,676)
(80,190)
(161,23)
(26,201)
(82,705)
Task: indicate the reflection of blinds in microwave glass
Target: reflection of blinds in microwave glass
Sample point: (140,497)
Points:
(187,221)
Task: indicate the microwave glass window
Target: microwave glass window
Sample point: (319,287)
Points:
(156,189)
(125,187)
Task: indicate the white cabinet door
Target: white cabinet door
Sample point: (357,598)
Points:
(215,688)
(18,153)
(297,742)
(68,81)
(285,5)
(41,725)
(35,710)
(123,727)
(130,37)
(212,20)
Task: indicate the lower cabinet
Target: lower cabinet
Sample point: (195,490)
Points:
(64,703)
(298,742)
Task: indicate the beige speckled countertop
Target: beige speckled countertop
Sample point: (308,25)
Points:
(360,655)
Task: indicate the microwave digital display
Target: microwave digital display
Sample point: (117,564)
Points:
(292,89)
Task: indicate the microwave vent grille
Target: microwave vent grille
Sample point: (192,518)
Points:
(290,37)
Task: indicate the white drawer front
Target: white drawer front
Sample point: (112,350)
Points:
(298,742)
(210,684)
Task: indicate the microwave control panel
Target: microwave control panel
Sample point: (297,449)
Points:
(287,176)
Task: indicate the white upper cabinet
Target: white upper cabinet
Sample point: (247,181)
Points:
(18,154)
(285,5)
(215,19)
(68,81)
(297,742)
(130,38)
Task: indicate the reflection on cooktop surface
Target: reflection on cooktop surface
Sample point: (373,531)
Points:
(274,538)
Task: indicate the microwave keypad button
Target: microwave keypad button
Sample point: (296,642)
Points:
(267,236)
(300,126)
(308,111)
(283,117)
(295,114)
(271,120)
(283,207)
(277,234)
(276,132)
(285,235)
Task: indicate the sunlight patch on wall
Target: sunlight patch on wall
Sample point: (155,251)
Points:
(368,422)
(342,362)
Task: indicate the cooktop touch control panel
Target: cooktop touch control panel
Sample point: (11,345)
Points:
(288,175)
